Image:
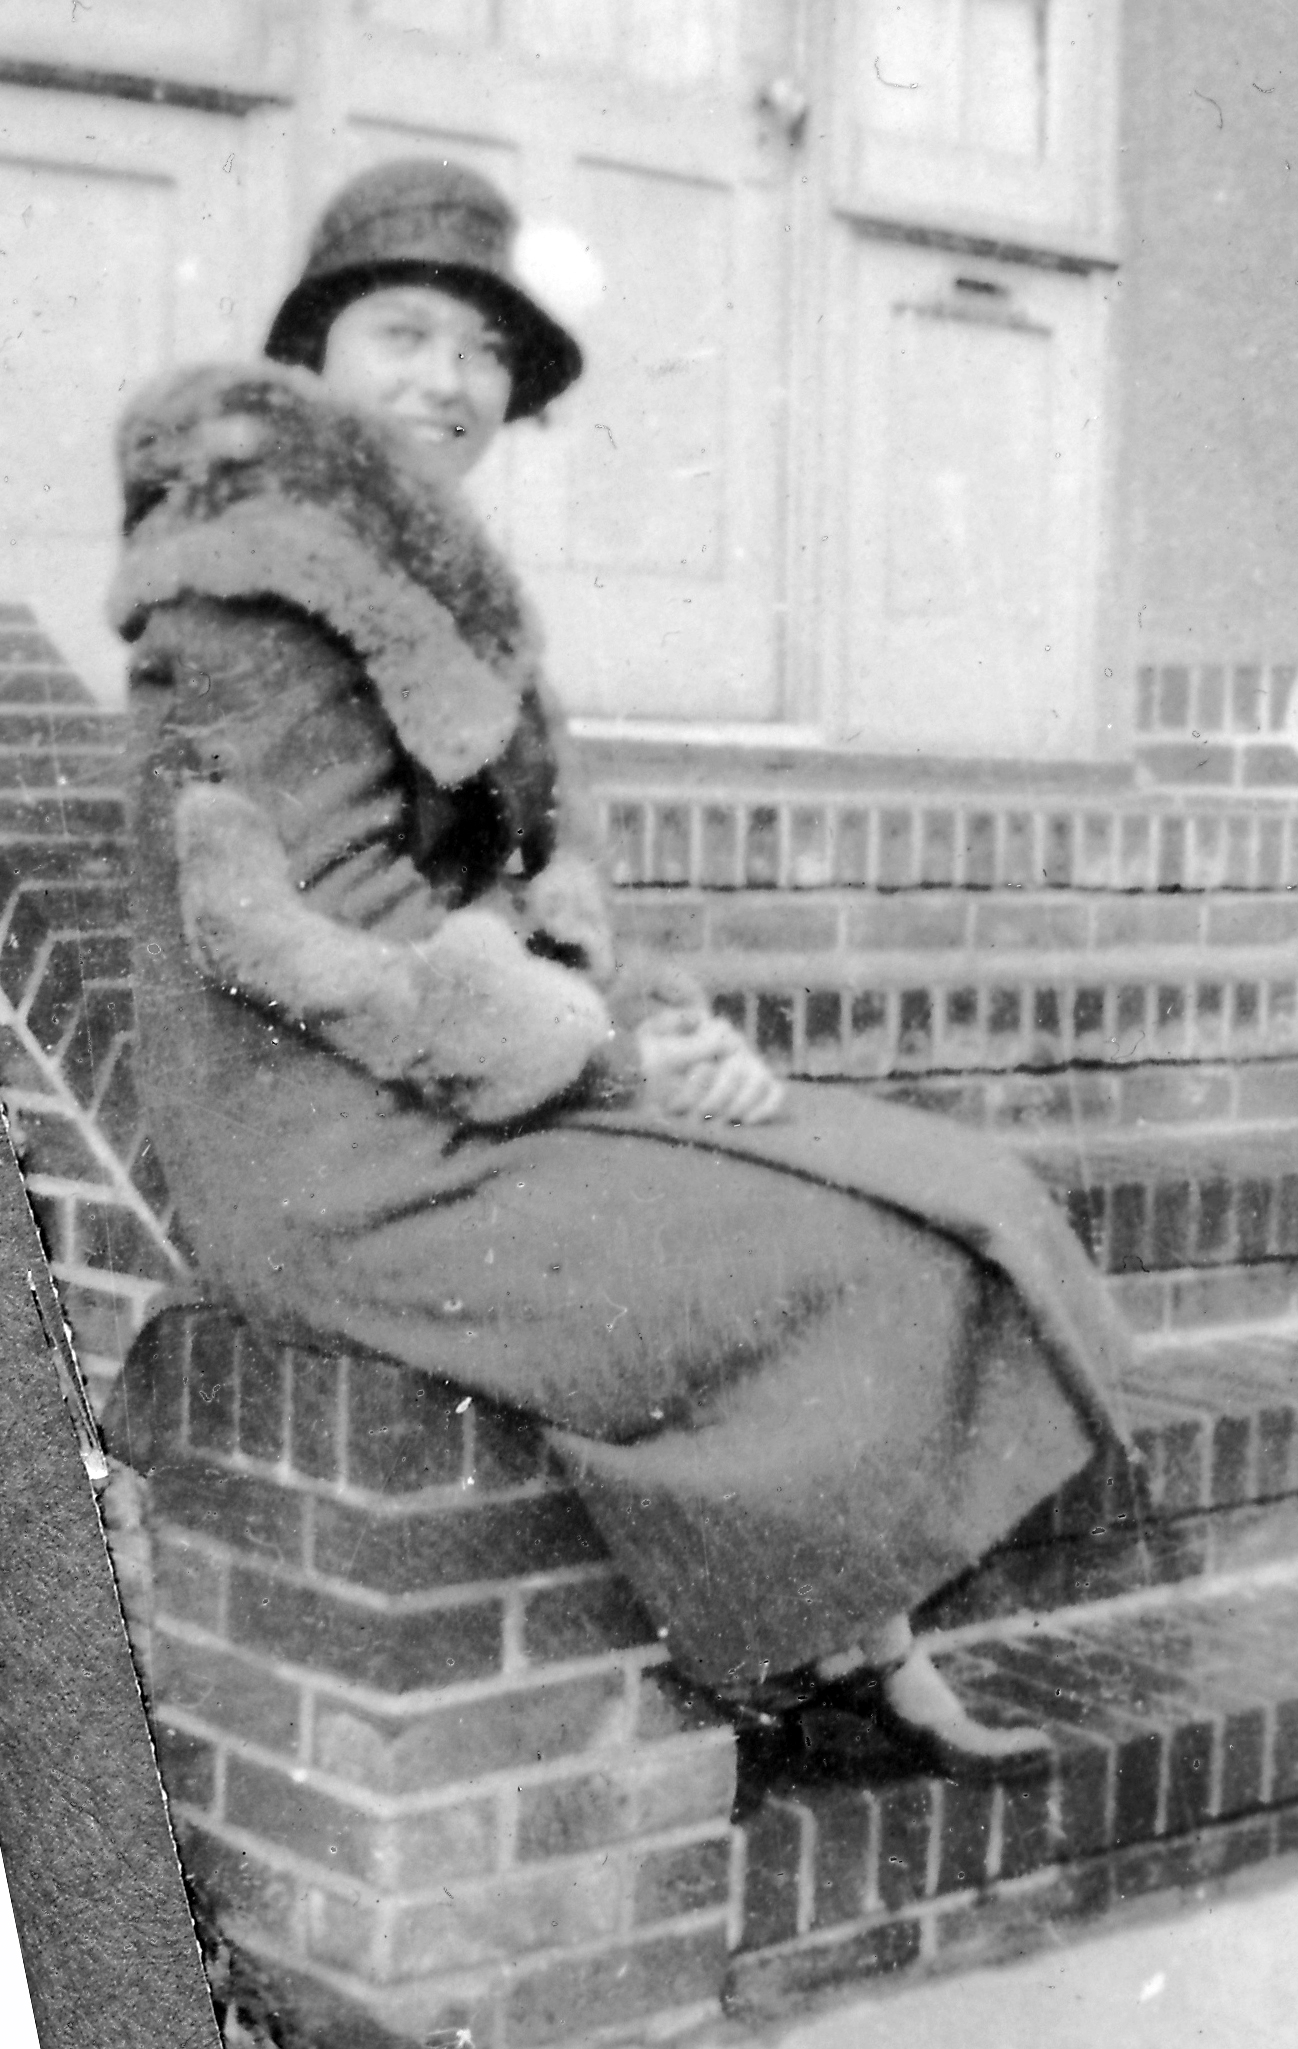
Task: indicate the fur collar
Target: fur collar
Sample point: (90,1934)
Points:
(252,481)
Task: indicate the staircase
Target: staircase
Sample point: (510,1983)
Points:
(1098,965)
(1100,968)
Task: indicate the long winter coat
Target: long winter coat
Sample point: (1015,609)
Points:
(803,1374)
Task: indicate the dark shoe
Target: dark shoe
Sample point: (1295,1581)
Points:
(853,1725)
(759,1710)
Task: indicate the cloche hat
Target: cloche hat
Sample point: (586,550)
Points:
(422,221)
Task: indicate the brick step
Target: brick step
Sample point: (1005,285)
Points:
(44,721)
(1209,724)
(848,821)
(1227,1148)
(33,673)
(33,683)
(704,818)
(1216,1426)
(1151,1191)
(55,742)
(25,780)
(1145,1095)
(1151,1197)
(952,927)
(873,833)
(1225,1301)
(1175,1723)
(385,1637)
(85,803)
(834,1013)
(1179,1198)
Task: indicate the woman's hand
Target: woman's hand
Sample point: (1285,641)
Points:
(699,1067)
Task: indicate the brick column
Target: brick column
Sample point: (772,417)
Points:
(425,1762)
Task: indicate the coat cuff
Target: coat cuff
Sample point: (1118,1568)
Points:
(483,1028)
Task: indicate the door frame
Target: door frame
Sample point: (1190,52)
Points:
(829,213)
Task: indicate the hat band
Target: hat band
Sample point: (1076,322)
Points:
(414,234)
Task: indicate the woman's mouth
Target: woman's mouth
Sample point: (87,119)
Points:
(436,431)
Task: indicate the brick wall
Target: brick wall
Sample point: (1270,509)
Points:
(1202,520)
(424,1759)
(1212,725)
(66,1008)
(1112,838)
(427,1763)
(1175,1766)
(861,919)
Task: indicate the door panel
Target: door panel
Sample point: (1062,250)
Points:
(665,42)
(667,604)
(802,428)
(976,107)
(218,41)
(645,513)
(971,389)
(646,487)
(120,225)
(968,444)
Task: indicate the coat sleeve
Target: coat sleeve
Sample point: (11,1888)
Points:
(568,902)
(467,1016)
(451,1002)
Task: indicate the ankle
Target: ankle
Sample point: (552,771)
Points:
(883,1650)
(843,1665)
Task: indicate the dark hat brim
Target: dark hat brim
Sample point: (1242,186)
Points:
(545,358)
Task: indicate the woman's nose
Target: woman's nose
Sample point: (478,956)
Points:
(439,368)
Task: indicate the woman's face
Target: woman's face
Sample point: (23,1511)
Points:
(428,359)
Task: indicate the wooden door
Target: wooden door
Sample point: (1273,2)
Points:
(833,468)
(646,513)
(970,394)
(995,112)
(122,226)
(959,207)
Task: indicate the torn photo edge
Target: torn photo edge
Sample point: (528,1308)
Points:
(109,1947)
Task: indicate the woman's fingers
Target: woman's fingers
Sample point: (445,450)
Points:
(724,1091)
(758,1096)
(704,1069)
(690,1090)
(683,1090)
(769,1103)
(679,1048)
(742,1091)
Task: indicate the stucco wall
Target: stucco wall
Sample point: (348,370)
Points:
(1205,498)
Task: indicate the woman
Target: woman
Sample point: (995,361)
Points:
(805,1359)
